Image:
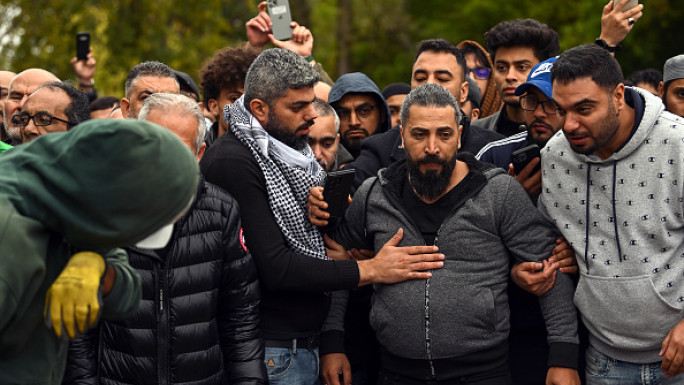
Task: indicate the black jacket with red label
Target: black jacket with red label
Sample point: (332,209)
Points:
(198,319)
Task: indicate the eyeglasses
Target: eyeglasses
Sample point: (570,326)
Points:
(481,73)
(39,119)
(530,103)
(363,111)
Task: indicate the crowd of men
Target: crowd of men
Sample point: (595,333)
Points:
(181,234)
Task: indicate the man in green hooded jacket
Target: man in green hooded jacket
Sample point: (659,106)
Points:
(103,185)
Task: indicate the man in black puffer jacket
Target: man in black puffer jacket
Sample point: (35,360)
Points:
(198,319)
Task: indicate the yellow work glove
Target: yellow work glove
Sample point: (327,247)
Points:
(76,295)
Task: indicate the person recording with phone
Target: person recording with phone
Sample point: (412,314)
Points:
(84,65)
(541,123)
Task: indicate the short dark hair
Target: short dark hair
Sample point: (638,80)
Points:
(274,72)
(226,69)
(148,68)
(429,95)
(526,33)
(78,110)
(104,102)
(588,61)
(650,76)
(442,46)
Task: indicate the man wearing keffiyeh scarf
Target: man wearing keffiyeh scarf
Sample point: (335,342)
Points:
(290,169)
(265,162)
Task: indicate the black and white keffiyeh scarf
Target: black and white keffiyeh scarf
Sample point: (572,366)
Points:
(289,174)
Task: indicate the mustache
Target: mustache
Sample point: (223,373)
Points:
(432,159)
(355,130)
(306,125)
(543,123)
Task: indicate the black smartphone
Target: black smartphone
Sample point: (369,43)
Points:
(336,191)
(521,157)
(82,45)
(279,10)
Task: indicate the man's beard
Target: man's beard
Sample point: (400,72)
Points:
(353,145)
(14,133)
(280,132)
(608,129)
(431,184)
(534,137)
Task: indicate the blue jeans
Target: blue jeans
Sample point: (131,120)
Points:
(603,370)
(288,366)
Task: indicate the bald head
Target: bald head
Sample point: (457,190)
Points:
(5,79)
(21,86)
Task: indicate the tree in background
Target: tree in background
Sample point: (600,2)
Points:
(378,38)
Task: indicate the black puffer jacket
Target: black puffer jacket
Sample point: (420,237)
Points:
(198,319)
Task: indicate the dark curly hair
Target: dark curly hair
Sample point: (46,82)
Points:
(523,32)
(226,69)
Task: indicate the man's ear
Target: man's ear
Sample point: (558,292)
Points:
(213,107)
(337,139)
(125,108)
(460,130)
(200,153)
(661,90)
(259,110)
(619,97)
(401,132)
(474,114)
(465,87)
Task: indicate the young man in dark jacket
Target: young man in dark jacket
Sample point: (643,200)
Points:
(199,315)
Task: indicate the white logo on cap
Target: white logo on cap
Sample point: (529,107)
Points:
(546,67)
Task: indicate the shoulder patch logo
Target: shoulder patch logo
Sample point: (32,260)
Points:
(243,242)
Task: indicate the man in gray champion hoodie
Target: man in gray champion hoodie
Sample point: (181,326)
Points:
(612,183)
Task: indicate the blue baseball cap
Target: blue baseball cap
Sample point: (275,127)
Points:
(540,77)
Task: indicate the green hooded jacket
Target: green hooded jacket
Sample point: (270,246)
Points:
(104,184)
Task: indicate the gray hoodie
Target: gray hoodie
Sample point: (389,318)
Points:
(463,308)
(629,208)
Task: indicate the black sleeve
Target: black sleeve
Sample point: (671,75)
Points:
(236,171)
(81,366)
(238,316)
(376,153)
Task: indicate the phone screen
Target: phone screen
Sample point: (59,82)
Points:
(82,45)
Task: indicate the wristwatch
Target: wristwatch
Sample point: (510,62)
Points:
(602,43)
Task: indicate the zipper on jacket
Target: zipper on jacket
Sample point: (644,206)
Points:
(162,325)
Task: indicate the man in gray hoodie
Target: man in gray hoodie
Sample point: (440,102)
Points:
(453,327)
(612,182)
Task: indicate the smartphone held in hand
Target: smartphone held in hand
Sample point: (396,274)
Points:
(82,45)
(279,10)
(336,191)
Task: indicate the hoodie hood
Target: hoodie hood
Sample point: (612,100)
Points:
(359,83)
(105,184)
(491,101)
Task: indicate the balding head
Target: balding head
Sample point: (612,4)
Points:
(5,79)
(21,86)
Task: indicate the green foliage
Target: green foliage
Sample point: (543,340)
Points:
(384,34)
